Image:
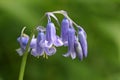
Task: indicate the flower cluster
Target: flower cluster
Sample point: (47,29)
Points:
(47,40)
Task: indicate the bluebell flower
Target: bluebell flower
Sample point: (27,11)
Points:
(47,40)
(78,49)
(23,40)
(64,31)
(51,37)
(83,41)
(41,47)
(71,40)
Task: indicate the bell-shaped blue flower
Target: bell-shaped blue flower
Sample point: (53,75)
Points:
(71,41)
(41,47)
(23,40)
(64,31)
(51,37)
(83,41)
(78,49)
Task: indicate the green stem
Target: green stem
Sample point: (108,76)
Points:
(24,58)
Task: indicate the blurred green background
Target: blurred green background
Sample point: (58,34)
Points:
(100,19)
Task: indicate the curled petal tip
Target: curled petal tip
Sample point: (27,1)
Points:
(58,42)
(33,52)
(78,50)
(19,51)
(50,51)
(73,55)
(66,55)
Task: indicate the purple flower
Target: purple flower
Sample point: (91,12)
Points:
(51,37)
(47,40)
(64,31)
(23,42)
(78,49)
(71,40)
(74,46)
(83,41)
(41,46)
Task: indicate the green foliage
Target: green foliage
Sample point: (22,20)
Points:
(100,19)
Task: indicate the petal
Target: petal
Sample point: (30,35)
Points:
(40,51)
(19,51)
(34,52)
(83,41)
(78,50)
(33,43)
(81,29)
(67,54)
(23,40)
(71,39)
(58,42)
(66,43)
(47,44)
(41,36)
(50,51)
(64,29)
(40,42)
(50,32)
(73,55)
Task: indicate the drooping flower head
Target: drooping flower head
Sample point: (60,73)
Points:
(47,40)
(74,46)
(77,45)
